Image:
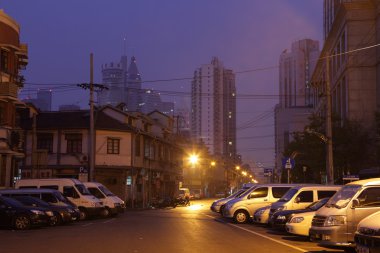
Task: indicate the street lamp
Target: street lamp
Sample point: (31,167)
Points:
(193,159)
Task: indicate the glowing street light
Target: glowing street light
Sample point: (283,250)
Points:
(193,159)
(213,163)
(237,167)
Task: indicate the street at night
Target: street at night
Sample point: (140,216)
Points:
(182,229)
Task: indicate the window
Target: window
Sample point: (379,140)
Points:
(259,193)
(370,197)
(278,192)
(47,197)
(69,191)
(4,63)
(305,196)
(325,194)
(45,141)
(74,143)
(137,145)
(54,187)
(113,146)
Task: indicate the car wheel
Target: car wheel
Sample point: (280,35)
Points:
(22,222)
(221,209)
(106,212)
(83,214)
(241,216)
(54,220)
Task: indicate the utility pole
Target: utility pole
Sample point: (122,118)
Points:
(329,143)
(92,136)
(92,86)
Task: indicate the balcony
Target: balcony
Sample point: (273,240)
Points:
(8,90)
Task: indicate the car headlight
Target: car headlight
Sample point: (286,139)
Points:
(116,205)
(281,217)
(296,220)
(49,213)
(38,212)
(280,208)
(336,220)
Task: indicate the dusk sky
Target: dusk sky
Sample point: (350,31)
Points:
(170,39)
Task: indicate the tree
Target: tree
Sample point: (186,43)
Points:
(352,150)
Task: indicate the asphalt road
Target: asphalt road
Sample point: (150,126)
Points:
(182,229)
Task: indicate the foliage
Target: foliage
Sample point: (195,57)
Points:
(352,150)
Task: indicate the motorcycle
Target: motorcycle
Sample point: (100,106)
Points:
(164,203)
(182,201)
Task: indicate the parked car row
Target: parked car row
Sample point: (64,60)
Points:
(55,201)
(345,217)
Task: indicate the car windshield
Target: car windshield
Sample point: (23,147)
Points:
(236,194)
(318,204)
(82,189)
(106,191)
(247,192)
(343,196)
(288,195)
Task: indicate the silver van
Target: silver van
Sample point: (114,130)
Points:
(241,209)
(219,204)
(301,196)
(334,225)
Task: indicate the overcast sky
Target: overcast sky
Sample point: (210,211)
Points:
(170,39)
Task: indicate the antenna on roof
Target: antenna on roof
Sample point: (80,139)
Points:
(125,45)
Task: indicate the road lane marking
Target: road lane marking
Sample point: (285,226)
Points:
(264,236)
(107,221)
(88,224)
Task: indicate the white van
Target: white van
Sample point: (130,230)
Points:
(334,225)
(301,196)
(73,189)
(241,209)
(113,203)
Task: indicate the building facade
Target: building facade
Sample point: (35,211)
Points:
(136,155)
(213,117)
(213,108)
(13,58)
(296,93)
(351,29)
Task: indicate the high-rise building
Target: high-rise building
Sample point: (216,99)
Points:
(114,76)
(295,105)
(213,108)
(150,101)
(43,101)
(351,31)
(134,91)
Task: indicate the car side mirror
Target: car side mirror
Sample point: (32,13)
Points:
(297,200)
(355,203)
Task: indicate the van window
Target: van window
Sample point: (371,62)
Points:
(305,196)
(47,197)
(259,193)
(278,192)
(96,192)
(69,191)
(369,197)
(325,194)
(54,187)
(27,187)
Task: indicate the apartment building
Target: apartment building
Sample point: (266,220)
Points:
(13,59)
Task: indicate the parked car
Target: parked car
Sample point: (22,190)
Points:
(280,218)
(262,215)
(218,205)
(196,193)
(302,196)
(367,236)
(15,215)
(334,225)
(62,214)
(71,188)
(184,193)
(241,209)
(53,197)
(113,203)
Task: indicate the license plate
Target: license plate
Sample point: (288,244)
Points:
(362,249)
